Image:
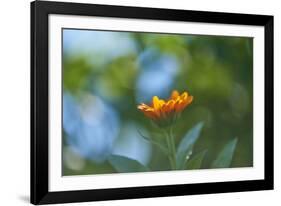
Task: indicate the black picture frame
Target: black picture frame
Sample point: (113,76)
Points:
(40,112)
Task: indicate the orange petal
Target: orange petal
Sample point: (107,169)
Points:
(179,105)
(184,103)
(155,102)
(170,105)
(174,94)
(189,99)
(150,114)
(161,102)
(143,106)
(157,105)
(165,107)
(184,95)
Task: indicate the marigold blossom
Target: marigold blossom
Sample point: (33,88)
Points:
(165,109)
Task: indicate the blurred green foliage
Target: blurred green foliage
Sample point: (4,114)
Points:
(216,70)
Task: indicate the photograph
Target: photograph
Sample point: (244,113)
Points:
(135,102)
(153,102)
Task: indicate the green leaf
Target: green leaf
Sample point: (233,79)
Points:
(162,148)
(125,164)
(224,158)
(196,161)
(186,145)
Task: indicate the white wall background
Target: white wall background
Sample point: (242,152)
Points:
(14,102)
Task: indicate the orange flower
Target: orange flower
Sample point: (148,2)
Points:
(161,109)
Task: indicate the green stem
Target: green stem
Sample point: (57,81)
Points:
(169,149)
(173,146)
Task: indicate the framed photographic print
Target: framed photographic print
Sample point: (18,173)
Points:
(131,102)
